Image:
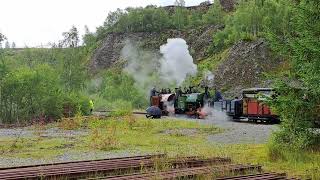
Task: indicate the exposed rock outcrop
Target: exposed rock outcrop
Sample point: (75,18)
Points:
(228,5)
(244,66)
(205,6)
(108,53)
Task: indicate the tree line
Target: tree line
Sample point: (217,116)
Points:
(155,19)
(43,84)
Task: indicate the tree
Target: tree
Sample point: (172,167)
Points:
(13,45)
(113,18)
(2,38)
(298,106)
(251,20)
(27,95)
(7,45)
(215,14)
(180,17)
(180,3)
(89,38)
(70,38)
(195,18)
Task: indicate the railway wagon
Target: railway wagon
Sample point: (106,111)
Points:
(252,105)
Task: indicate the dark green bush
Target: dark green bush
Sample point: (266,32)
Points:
(30,94)
(76,103)
(117,86)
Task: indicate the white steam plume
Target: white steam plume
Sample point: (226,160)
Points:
(176,62)
(152,69)
(141,65)
(208,79)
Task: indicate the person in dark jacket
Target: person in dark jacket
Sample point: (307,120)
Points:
(217,96)
(153,92)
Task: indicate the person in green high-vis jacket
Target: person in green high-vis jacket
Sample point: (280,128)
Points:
(91,106)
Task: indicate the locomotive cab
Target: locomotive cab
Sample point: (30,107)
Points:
(193,102)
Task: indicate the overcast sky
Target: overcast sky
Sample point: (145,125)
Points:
(35,22)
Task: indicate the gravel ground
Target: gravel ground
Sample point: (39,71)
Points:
(236,132)
(51,132)
(240,132)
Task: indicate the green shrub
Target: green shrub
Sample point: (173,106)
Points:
(120,86)
(29,94)
(75,103)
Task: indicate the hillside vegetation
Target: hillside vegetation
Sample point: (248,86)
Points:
(51,83)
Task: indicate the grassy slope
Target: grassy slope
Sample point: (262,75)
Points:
(154,136)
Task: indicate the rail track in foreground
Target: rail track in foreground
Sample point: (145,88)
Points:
(141,167)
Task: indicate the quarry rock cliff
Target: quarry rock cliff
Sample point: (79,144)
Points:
(108,54)
(244,65)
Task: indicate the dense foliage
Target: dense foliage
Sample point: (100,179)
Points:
(118,89)
(154,19)
(253,19)
(43,84)
(292,31)
(298,103)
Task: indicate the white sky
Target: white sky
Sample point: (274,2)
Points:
(36,22)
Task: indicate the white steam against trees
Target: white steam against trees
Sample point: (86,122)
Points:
(176,63)
(171,67)
(142,65)
(208,79)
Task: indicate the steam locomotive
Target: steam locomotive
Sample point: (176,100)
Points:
(190,102)
(252,106)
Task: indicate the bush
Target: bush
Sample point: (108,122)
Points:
(117,86)
(104,139)
(251,20)
(75,103)
(28,94)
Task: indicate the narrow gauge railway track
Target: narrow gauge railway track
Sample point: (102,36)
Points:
(206,173)
(189,172)
(88,168)
(87,161)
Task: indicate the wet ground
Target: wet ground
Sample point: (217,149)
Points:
(240,132)
(236,132)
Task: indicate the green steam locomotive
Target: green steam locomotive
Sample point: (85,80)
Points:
(188,102)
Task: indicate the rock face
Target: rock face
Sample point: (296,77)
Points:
(204,6)
(244,67)
(228,5)
(108,54)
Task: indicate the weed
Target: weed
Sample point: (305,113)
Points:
(38,130)
(76,122)
(104,139)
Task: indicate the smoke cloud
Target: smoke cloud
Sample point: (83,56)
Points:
(176,63)
(208,79)
(142,65)
(170,66)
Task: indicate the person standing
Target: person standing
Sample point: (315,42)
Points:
(91,105)
(153,92)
